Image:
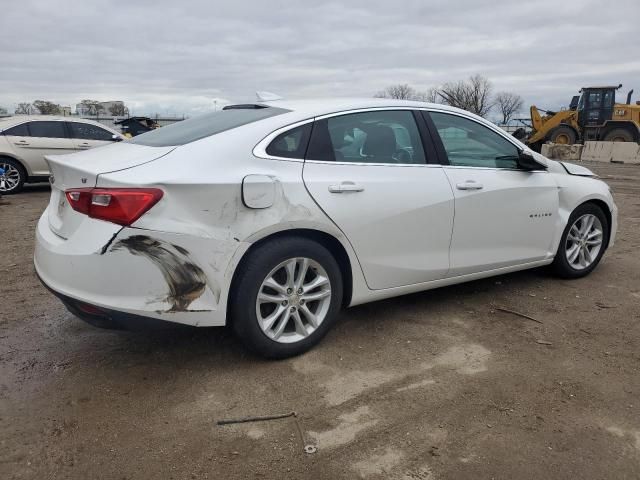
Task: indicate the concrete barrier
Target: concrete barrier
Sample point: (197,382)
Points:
(597,151)
(626,152)
(562,152)
(623,152)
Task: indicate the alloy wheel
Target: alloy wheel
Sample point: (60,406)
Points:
(293,300)
(584,241)
(11,178)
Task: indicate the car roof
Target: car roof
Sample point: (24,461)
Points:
(29,118)
(322,106)
(302,109)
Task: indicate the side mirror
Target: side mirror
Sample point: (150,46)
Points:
(527,162)
(116,138)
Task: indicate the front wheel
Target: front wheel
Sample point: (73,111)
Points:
(286,296)
(583,242)
(563,135)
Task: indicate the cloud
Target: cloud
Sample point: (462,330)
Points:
(177,57)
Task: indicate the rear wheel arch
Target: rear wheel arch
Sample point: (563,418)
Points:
(629,128)
(327,240)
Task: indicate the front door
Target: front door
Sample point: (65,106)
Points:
(37,139)
(87,135)
(369,174)
(504,216)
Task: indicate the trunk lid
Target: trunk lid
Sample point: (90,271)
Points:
(81,170)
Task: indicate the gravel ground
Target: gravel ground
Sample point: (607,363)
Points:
(435,385)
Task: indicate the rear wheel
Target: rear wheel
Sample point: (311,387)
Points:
(13,178)
(619,135)
(286,297)
(563,135)
(583,242)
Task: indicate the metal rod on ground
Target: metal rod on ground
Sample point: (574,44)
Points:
(519,314)
(308,448)
(257,419)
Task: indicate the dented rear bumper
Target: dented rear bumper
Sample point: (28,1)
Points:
(136,274)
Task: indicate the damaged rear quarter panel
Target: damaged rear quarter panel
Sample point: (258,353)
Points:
(203,202)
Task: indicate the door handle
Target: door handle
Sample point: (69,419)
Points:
(469,185)
(21,143)
(346,187)
(84,145)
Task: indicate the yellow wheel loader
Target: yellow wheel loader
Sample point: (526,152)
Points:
(592,115)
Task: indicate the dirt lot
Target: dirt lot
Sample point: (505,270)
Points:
(436,385)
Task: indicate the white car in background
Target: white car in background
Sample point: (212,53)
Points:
(270,217)
(25,140)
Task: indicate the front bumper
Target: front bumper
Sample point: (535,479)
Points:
(135,275)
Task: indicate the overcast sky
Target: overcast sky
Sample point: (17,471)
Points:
(179,56)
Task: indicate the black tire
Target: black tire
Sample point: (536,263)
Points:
(563,134)
(561,266)
(254,269)
(619,135)
(15,165)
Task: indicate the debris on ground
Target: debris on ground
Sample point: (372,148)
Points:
(513,312)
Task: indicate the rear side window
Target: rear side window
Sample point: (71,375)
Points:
(47,129)
(370,137)
(192,129)
(87,131)
(18,131)
(291,144)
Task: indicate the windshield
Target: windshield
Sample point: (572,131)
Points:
(192,129)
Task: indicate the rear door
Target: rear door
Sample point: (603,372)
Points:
(87,135)
(369,172)
(45,137)
(504,216)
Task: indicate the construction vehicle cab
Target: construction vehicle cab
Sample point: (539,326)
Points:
(593,115)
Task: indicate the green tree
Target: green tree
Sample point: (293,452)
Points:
(46,107)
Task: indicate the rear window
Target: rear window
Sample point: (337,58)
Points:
(21,130)
(192,129)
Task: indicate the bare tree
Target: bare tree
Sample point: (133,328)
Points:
(473,94)
(46,107)
(402,92)
(433,95)
(118,110)
(509,104)
(24,108)
(92,107)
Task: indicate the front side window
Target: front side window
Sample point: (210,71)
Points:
(595,99)
(21,130)
(471,144)
(370,137)
(291,144)
(47,129)
(87,131)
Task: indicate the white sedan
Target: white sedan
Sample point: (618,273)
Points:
(271,217)
(26,140)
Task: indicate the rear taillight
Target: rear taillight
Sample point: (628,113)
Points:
(118,205)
